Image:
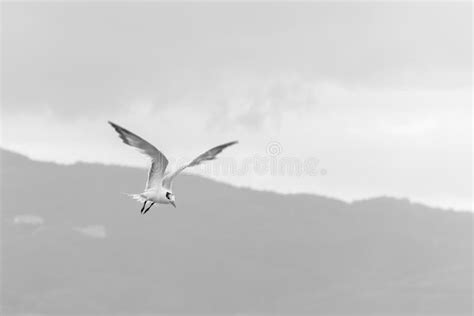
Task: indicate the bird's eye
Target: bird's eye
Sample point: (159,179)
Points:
(168,195)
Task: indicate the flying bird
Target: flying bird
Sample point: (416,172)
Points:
(159,184)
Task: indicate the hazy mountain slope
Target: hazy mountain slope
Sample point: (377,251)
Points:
(223,250)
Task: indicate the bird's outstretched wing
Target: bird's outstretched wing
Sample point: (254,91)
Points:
(211,154)
(158,160)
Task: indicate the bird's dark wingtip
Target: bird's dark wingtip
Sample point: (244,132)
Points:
(116,127)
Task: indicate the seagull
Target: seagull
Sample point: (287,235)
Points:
(159,184)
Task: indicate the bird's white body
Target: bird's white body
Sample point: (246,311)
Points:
(157,195)
(160,180)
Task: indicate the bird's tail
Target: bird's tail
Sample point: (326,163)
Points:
(139,197)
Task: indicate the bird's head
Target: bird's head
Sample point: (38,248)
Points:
(171,199)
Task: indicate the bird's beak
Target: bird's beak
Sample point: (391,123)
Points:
(172,203)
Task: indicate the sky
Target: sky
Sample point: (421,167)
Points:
(361,99)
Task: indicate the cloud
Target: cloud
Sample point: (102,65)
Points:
(419,128)
(258,102)
(52,60)
(28,220)
(93,231)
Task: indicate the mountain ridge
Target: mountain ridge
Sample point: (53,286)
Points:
(15,155)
